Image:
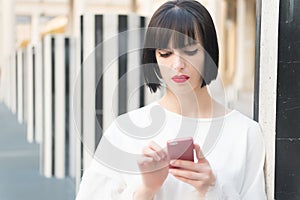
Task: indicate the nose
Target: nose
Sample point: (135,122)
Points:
(178,62)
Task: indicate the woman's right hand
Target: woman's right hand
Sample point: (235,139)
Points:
(154,167)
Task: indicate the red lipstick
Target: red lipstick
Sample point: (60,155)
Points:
(180,78)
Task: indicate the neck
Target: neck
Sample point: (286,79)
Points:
(197,103)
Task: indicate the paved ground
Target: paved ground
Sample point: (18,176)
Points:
(19,166)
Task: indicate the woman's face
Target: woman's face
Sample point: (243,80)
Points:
(181,68)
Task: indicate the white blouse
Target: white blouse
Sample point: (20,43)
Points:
(232,144)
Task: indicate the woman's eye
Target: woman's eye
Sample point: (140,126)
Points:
(191,53)
(165,54)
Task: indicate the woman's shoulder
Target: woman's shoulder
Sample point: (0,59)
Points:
(127,130)
(243,126)
(141,116)
(241,119)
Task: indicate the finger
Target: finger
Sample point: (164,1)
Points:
(161,152)
(151,153)
(191,175)
(194,183)
(148,164)
(189,165)
(144,160)
(186,180)
(199,153)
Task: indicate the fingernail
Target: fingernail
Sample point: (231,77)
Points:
(172,162)
(171,171)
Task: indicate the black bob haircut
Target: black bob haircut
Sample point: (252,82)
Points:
(191,22)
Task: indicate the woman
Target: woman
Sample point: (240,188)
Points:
(181,53)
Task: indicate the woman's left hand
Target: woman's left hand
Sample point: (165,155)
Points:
(199,174)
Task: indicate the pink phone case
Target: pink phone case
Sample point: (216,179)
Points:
(181,149)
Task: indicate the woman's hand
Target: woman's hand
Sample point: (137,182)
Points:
(154,166)
(199,174)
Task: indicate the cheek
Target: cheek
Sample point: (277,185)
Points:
(197,65)
(164,71)
(162,62)
(163,65)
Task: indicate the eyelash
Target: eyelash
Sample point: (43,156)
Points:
(189,53)
(165,55)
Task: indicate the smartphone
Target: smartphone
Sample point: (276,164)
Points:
(181,149)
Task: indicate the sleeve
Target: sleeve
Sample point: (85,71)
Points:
(100,181)
(254,183)
(253,186)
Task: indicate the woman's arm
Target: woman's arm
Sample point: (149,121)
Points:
(100,182)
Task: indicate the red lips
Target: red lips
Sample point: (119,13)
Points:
(180,78)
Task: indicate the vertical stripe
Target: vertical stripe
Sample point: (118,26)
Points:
(38,85)
(67,104)
(47,140)
(33,92)
(80,163)
(133,73)
(20,86)
(11,90)
(74,108)
(142,80)
(21,65)
(122,56)
(267,85)
(42,82)
(14,83)
(88,89)
(98,78)
(29,69)
(79,144)
(52,99)
(17,82)
(24,87)
(59,113)
(110,64)
(257,61)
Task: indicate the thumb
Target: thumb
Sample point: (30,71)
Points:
(199,153)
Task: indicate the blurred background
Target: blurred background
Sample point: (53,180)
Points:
(43,45)
(28,21)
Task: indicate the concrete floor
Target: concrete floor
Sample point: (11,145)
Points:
(19,166)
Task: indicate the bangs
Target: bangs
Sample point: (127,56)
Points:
(174,29)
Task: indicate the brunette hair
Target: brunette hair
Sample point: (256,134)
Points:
(177,22)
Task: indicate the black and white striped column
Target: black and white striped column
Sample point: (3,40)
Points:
(111,75)
(57,143)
